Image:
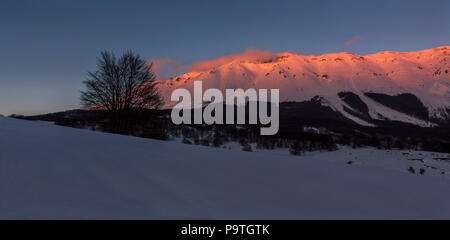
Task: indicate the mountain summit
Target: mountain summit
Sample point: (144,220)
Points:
(411,87)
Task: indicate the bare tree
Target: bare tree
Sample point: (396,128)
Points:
(121,84)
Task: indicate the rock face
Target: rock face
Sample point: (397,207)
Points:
(411,87)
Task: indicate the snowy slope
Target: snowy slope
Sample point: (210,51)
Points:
(423,73)
(432,163)
(55,172)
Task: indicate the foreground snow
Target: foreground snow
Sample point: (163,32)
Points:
(55,172)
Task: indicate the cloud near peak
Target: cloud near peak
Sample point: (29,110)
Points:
(164,65)
(249,55)
(352,40)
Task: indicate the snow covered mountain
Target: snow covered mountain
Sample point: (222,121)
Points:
(54,172)
(411,87)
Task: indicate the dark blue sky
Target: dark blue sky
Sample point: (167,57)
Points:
(47,47)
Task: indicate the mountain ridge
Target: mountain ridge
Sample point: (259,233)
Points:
(424,74)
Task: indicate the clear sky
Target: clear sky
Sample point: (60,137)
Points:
(47,47)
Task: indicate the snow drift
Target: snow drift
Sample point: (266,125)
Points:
(52,172)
